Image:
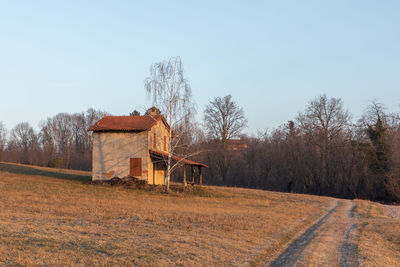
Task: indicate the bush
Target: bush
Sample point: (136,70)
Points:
(55,163)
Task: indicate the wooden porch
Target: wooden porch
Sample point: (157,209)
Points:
(185,162)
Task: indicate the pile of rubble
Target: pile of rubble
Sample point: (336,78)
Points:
(135,183)
(128,182)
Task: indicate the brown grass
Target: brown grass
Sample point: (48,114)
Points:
(379,236)
(46,220)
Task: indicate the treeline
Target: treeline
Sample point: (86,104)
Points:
(320,152)
(62,141)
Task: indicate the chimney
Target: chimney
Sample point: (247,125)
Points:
(154,111)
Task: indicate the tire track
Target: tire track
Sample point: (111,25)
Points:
(294,252)
(349,249)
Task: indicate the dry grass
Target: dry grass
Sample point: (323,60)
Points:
(45,172)
(48,169)
(379,236)
(51,221)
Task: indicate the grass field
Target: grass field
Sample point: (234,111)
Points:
(379,235)
(55,217)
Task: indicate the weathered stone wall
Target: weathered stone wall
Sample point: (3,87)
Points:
(112,152)
(161,131)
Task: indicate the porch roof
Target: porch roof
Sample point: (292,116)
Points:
(164,155)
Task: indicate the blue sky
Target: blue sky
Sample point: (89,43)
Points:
(272,56)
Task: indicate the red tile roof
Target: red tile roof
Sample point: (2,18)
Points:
(176,158)
(127,123)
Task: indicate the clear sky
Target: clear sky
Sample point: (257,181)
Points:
(272,56)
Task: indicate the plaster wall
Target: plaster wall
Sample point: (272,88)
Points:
(112,152)
(160,132)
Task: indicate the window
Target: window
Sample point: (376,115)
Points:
(165,143)
(135,167)
(154,140)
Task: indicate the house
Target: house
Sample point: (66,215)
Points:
(134,146)
(236,144)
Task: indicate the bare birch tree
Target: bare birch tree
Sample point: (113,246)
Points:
(171,93)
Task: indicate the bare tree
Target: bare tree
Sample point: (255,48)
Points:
(91,116)
(3,139)
(78,148)
(324,118)
(65,138)
(325,124)
(374,112)
(23,137)
(61,129)
(224,120)
(48,142)
(171,94)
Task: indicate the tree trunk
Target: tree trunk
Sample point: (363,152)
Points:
(168,173)
(184,175)
(200,176)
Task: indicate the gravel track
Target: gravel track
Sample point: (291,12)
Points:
(329,242)
(349,249)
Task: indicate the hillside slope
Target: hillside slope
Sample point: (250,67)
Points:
(55,217)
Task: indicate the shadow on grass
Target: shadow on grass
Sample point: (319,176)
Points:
(33,171)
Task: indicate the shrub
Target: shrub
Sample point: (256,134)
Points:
(55,163)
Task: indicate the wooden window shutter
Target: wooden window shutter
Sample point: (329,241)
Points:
(154,140)
(165,143)
(135,167)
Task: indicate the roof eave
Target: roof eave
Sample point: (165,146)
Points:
(117,130)
(184,160)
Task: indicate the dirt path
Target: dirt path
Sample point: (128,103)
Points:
(329,242)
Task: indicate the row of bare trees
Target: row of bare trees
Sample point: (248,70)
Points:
(320,152)
(62,141)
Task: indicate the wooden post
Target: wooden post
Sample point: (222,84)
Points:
(184,175)
(200,176)
(192,169)
(154,173)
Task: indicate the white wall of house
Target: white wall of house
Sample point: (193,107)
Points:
(112,152)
